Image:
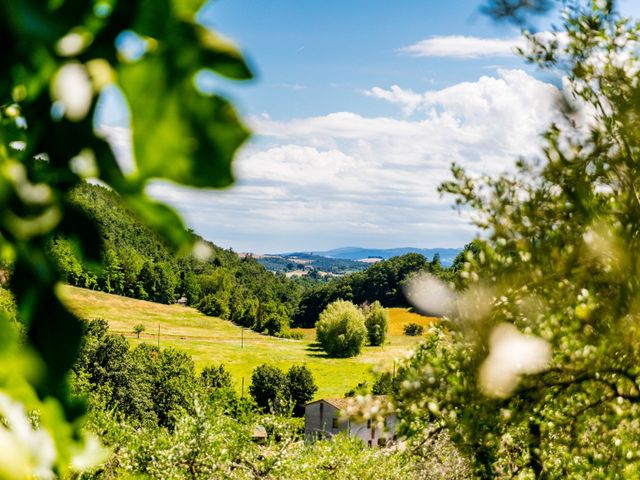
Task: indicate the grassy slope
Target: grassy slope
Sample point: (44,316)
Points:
(211,340)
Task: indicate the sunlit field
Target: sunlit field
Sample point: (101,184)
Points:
(211,340)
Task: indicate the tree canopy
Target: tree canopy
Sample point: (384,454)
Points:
(540,356)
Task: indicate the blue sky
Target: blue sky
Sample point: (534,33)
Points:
(334,48)
(358,110)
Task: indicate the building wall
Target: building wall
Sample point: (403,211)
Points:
(319,423)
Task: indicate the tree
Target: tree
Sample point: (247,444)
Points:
(383,385)
(341,330)
(377,323)
(138,329)
(272,318)
(172,380)
(269,388)
(215,377)
(301,387)
(541,353)
(215,305)
(106,361)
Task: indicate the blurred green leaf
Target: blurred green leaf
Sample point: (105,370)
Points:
(161,218)
(179,134)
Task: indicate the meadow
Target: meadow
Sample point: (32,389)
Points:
(210,340)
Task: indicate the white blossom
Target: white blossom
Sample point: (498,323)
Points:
(511,355)
(25,452)
(72,90)
(430,295)
(71,44)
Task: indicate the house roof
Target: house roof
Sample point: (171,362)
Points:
(341,403)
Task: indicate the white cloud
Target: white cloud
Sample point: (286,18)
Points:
(460,46)
(344,178)
(407,99)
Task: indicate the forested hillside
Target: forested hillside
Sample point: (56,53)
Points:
(139,264)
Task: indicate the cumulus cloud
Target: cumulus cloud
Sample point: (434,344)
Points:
(460,46)
(345,178)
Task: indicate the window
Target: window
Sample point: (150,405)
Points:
(334,423)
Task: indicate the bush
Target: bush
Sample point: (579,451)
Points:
(341,330)
(413,329)
(377,323)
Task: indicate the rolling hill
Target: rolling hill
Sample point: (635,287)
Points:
(210,340)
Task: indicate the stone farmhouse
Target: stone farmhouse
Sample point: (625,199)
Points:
(322,419)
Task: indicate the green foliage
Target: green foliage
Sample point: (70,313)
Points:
(341,330)
(215,377)
(210,444)
(7,305)
(413,329)
(377,323)
(215,304)
(301,387)
(384,384)
(269,388)
(107,365)
(541,355)
(383,282)
(138,329)
(58,58)
(277,392)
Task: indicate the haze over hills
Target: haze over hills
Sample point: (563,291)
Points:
(447,255)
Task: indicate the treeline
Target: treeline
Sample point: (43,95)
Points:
(383,282)
(138,264)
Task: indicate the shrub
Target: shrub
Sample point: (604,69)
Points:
(413,329)
(377,323)
(341,330)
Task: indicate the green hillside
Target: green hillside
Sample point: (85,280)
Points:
(211,340)
(139,264)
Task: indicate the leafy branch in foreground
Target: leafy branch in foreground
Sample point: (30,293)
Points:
(58,57)
(536,372)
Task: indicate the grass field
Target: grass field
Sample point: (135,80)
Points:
(211,340)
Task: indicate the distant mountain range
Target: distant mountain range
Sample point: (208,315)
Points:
(447,255)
